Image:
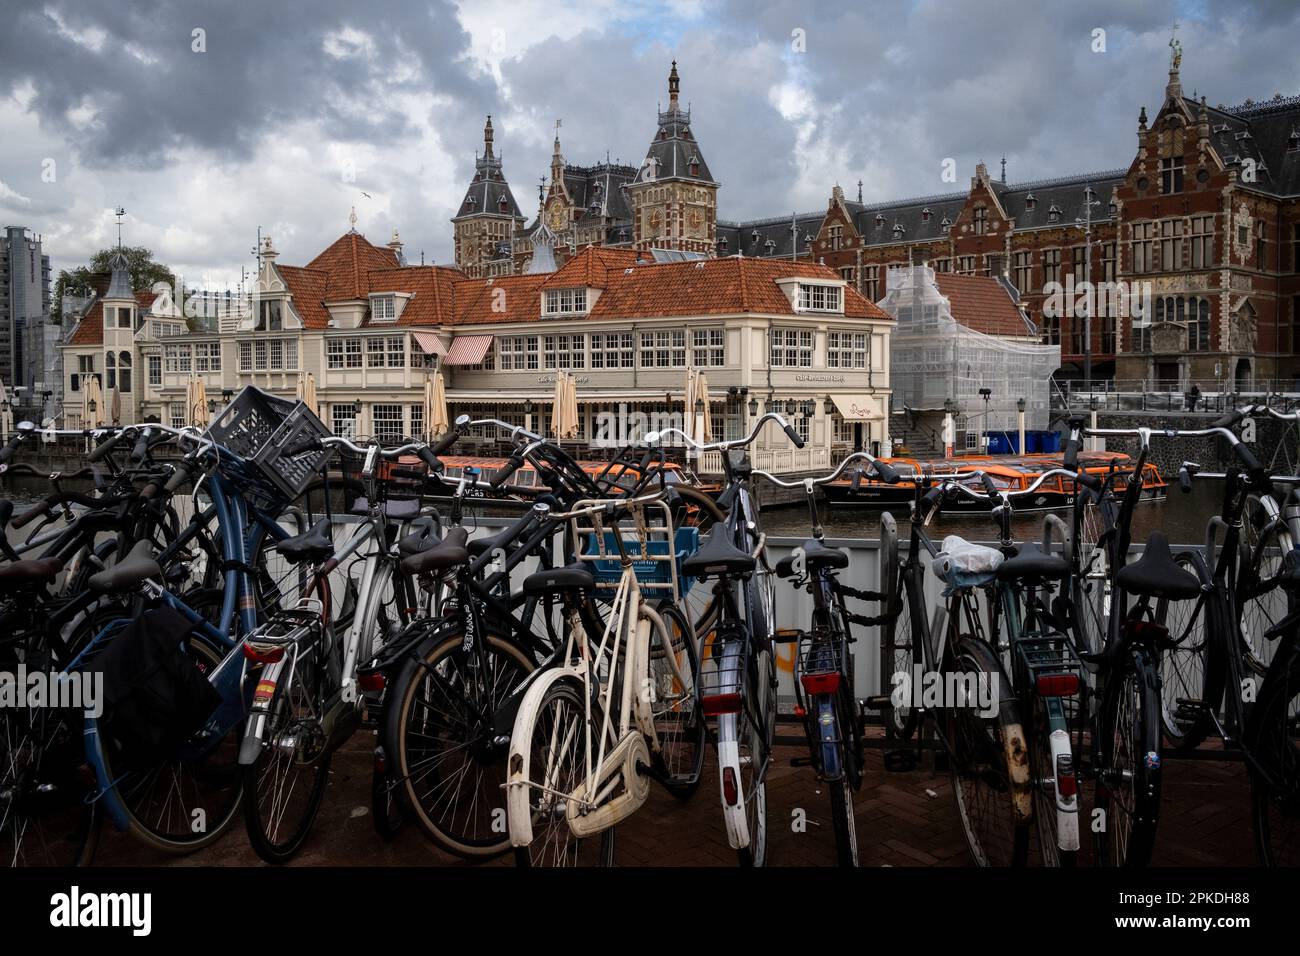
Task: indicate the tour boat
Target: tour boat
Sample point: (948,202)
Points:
(1011,473)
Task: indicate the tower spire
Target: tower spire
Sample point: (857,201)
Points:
(674,86)
(487,138)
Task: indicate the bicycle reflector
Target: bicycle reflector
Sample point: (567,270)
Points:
(827,683)
(730,792)
(715,704)
(372,683)
(264,653)
(1058,685)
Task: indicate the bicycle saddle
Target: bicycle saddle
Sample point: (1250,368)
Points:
(1157,575)
(1032,565)
(718,556)
(138,566)
(573,577)
(448,553)
(815,555)
(314,546)
(32,571)
(424,535)
(484,545)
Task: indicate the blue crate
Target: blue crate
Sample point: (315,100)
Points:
(608,571)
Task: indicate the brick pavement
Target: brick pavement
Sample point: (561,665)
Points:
(1205,821)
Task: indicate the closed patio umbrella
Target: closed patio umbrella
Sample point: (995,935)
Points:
(199,403)
(309,394)
(571,408)
(93,396)
(437,421)
(117,406)
(704,426)
(557,404)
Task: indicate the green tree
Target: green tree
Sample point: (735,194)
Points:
(144,272)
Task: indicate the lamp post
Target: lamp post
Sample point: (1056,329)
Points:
(1093,405)
(949,426)
(1086,222)
(1020,414)
(528,414)
(987,395)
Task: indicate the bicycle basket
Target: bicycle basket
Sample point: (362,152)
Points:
(256,427)
(652,567)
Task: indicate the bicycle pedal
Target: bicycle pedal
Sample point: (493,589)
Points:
(1187,707)
(900,761)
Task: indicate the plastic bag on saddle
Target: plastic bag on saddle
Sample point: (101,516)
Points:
(961,565)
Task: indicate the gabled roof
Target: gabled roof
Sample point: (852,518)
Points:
(90,330)
(432,290)
(714,287)
(500,299)
(347,262)
(982,303)
(309,289)
(589,267)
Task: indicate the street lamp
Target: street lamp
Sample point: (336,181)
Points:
(753,407)
(1020,419)
(1088,203)
(829,406)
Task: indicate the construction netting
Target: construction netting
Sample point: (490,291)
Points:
(933,357)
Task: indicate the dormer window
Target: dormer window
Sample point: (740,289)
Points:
(565,302)
(722,244)
(383,308)
(925,214)
(1031,201)
(503,204)
(1054,213)
(880,219)
(1114,207)
(471,201)
(945,222)
(820,298)
(898,230)
(770,245)
(269,318)
(695,165)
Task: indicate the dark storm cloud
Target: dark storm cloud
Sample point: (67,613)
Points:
(265,65)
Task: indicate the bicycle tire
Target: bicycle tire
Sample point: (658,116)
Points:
(1130,750)
(900,655)
(1194,667)
(1271,740)
(679,771)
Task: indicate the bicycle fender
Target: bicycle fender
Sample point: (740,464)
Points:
(519,813)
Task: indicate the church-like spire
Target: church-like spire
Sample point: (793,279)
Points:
(487,138)
(674,87)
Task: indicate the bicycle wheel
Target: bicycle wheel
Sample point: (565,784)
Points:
(678,721)
(899,655)
(1273,739)
(187,803)
(44,818)
(1260,604)
(843,823)
(1192,669)
(1128,780)
(697,510)
(284,786)
(1090,583)
(757,720)
(987,757)
(439,730)
(558,765)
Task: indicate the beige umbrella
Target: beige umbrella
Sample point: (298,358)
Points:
(704,427)
(198,403)
(557,404)
(117,406)
(688,403)
(94,399)
(571,408)
(309,394)
(437,421)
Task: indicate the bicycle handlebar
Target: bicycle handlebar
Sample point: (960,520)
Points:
(656,437)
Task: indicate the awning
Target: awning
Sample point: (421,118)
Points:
(468,349)
(858,408)
(431,342)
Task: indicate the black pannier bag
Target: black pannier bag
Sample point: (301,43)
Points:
(155,696)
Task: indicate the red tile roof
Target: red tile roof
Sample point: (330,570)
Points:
(90,330)
(432,290)
(503,299)
(589,267)
(348,261)
(982,303)
(308,288)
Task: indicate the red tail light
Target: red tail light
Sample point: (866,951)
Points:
(264,654)
(372,683)
(715,704)
(1058,685)
(1067,784)
(821,683)
(730,792)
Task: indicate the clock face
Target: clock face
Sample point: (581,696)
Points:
(557,217)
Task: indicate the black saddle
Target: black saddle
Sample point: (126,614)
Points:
(424,535)
(314,546)
(716,557)
(486,545)
(815,555)
(573,577)
(448,553)
(1032,565)
(138,566)
(33,571)
(1157,575)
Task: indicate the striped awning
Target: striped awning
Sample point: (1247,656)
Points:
(430,342)
(468,349)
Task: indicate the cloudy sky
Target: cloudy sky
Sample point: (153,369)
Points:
(291,114)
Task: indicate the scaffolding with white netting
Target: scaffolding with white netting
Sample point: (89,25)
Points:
(934,358)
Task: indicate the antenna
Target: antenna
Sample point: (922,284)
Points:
(119,212)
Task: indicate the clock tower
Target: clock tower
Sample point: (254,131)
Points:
(485,224)
(674,198)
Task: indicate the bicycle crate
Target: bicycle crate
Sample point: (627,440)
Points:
(256,427)
(652,567)
(1048,656)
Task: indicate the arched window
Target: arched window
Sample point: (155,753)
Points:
(124,371)
(110,371)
